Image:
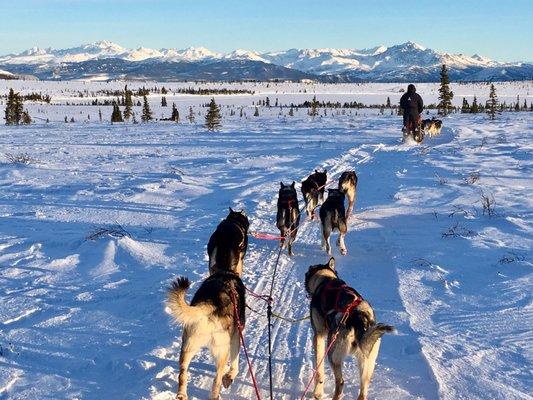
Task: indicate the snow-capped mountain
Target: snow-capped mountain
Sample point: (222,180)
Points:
(404,62)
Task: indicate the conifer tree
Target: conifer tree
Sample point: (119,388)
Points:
(212,118)
(314,107)
(147,113)
(128,103)
(492,103)
(517,104)
(388,105)
(291,112)
(241,113)
(26,119)
(9,115)
(475,108)
(445,94)
(466,107)
(14,113)
(190,117)
(256,112)
(116,115)
(524,107)
(100,114)
(163,101)
(175,114)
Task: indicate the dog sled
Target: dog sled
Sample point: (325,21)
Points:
(414,131)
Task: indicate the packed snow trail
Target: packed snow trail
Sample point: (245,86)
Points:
(85,318)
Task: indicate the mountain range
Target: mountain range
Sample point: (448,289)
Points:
(407,62)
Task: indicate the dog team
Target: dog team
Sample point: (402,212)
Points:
(216,312)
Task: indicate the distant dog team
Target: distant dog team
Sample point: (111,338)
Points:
(216,312)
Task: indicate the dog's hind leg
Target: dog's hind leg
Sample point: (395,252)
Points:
(221,358)
(326,233)
(339,380)
(340,240)
(188,350)
(366,369)
(320,348)
(235,347)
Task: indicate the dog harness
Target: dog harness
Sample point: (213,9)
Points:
(334,297)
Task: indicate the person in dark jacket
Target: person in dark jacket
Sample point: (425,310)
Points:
(412,105)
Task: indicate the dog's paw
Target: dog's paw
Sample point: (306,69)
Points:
(344,252)
(227,380)
(181,396)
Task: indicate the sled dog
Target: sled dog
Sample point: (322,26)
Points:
(288,216)
(227,245)
(209,321)
(348,186)
(333,216)
(313,191)
(337,308)
(432,126)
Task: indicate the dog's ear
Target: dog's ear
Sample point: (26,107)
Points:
(331,264)
(231,210)
(293,184)
(243,213)
(325,171)
(282,185)
(316,170)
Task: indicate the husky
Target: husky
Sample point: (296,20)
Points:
(333,216)
(432,126)
(228,244)
(348,186)
(313,191)
(288,216)
(337,308)
(209,321)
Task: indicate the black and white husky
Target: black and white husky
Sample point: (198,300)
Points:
(335,307)
(209,321)
(313,191)
(228,244)
(288,216)
(333,216)
(348,186)
(432,126)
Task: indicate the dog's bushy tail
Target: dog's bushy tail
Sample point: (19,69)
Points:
(183,313)
(369,338)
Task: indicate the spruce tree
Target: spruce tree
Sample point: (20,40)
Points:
(175,114)
(314,107)
(388,105)
(163,101)
(147,113)
(128,103)
(190,117)
(116,115)
(517,104)
(475,108)
(9,115)
(492,103)
(26,119)
(256,112)
(212,118)
(466,107)
(291,112)
(445,94)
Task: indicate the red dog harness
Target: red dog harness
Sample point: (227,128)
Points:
(335,297)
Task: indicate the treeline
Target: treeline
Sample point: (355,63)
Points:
(210,92)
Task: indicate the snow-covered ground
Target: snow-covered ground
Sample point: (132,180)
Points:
(84,318)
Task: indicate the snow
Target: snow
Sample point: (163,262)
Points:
(85,318)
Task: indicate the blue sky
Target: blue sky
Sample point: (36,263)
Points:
(501,30)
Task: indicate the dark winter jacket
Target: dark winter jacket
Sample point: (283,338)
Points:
(411,102)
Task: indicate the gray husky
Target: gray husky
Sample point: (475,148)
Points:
(333,216)
(335,307)
(288,216)
(209,321)
(228,244)
(313,191)
(348,186)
